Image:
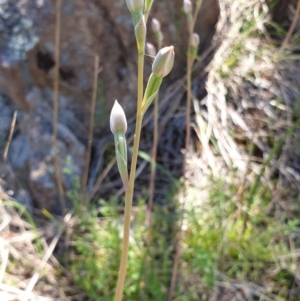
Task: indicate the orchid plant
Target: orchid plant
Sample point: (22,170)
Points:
(162,65)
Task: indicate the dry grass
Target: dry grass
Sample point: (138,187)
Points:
(247,124)
(252,92)
(28,269)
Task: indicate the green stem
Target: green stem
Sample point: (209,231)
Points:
(130,189)
(154,150)
(153,161)
(148,8)
(188,107)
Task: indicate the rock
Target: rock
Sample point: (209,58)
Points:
(88,28)
(42,181)
(16,32)
(17,38)
(5,121)
(19,152)
(30,156)
(24,198)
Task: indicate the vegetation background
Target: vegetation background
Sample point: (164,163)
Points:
(240,238)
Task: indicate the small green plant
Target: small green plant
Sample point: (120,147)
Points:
(96,239)
(97,250)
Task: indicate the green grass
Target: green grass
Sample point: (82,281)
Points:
(243,245)
(96,254)
(242,242)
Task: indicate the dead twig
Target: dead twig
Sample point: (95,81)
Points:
(45,259)
(55,105)
(292,27)
(91,128)
(11,131)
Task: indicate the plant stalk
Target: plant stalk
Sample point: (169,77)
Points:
(57,168)
(153,161)
(130,189)
(91,130)
(190,62)
(159,37)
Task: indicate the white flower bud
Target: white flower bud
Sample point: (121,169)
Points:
(155,25)
(187,7)
(194,40)
(163,62)
(151,49)
(118,122)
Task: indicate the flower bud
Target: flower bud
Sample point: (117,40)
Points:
(187,7)
(151,49)
(194,40)
(134,5)
(163,62)
(121,155)
(156,29)
(118,126)
(118,123)
(140,32)
(155,25)
(151,91)
(194,43)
